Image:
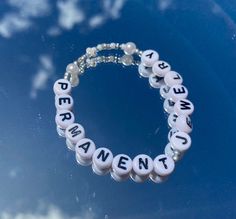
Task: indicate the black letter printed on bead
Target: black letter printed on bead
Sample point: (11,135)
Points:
(184,105)
(66,116)
(64,86)
(163,162)
(85,146)
(185,141)
(179,90)
(143,164)
(103,155)
(149,55)
(122,162)
(163,65)
(64,100)
(74,131)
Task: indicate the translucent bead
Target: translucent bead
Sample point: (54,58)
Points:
(74,133)
(160,68)
(171,132)
(178,92)
(129,48)
(84,150)
(121,167)
(72,68)
(173,78)
(183,107)
(180,141)
(144,71)
(163,165)
(164,91)
(102,160)
(64,102)
(142,167)
(149,57)
(64,118)
(155,81)
(168,105)
(172,119)
(62,86)
(183,123)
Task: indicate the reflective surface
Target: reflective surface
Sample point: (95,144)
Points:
(39,177)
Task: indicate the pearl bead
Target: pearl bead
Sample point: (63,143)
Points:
(72,68)
(129,48)
(91,51)
(126,60)
(149,57)
(74,80)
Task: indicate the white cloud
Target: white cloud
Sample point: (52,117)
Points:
(164,4)
(44,73)
(54,31)
(113,8)
(96,20)
(52,212)
(12,23)
(69,14)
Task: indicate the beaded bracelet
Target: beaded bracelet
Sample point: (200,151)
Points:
(160,76)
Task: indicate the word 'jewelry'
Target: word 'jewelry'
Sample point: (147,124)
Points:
(121,166)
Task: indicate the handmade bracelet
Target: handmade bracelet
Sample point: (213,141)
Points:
(160,76)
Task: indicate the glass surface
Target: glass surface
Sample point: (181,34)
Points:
(39,177)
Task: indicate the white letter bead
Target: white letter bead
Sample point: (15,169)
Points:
(160,68)
(168,105)
(172,78)
(164,90)
(163,165)
(155,81)
(144,71)
(64,118)
(172,119)
(180,141)
(183,107)
(142,167)
(102,160)
(62,86)
(178,92)
(63,102)
(176,155)
(74,133)
(85,149)
(149,57)
(171,132)
(121,167)
(183,123)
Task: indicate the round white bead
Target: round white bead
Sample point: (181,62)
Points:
(171,132)
(180,141)
(172,119)
(64,102)
(164,90)
(168,105)
(129,48)
(85,149)
(64,118)
(121,167)
(142,167)
(144,71)
(172,78)
(149,57)
(160,68)
(62,86)
(176,155)
(102,160)
(163,165)
(183,123)
(183,107)
(72,68)
(155,81)
(74,133)
(60,131)
(178,92)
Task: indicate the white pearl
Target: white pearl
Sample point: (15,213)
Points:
(160,68)
(74,80)
(184,107)
(142,167)
(72,68)
(172,78)
(91,51)
(144,71)
(64,118)
(155,81)
(102,160)
(129,48)
(180,141)
(183,123)
(149,57)
(178,92)
(172,119)
(121,167)
(168,105)
(126,60)
(62,86)
(164,90)
(163,165)
(64,102)
(84,150)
